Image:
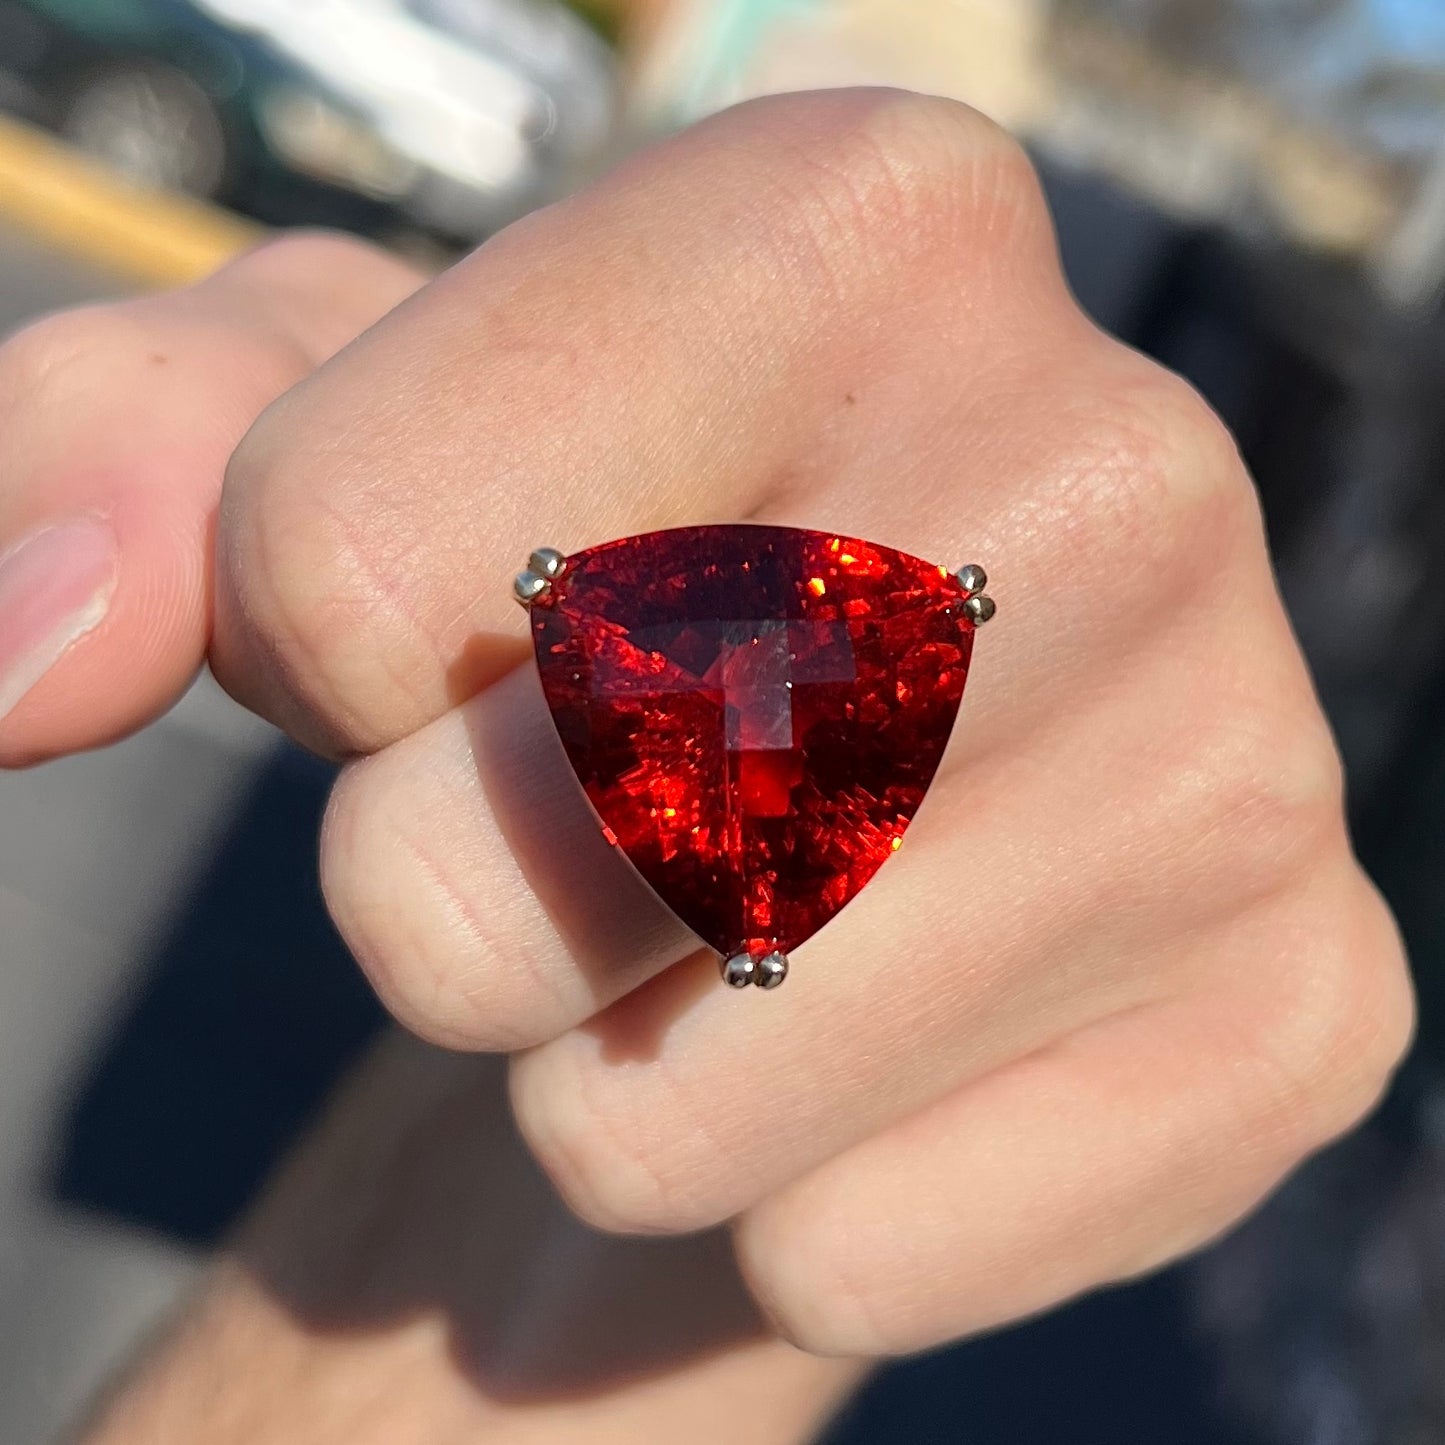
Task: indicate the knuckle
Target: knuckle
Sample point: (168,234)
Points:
(1176,421)
(323,287)
(59,357)
(615,1172)
(1282,802)
(814,1280)
(914,188)
(348,858)
(948,162)
(263,542)
(311,577)
(1166,486)
(346,867)
(1338,1024)
(298,257)
(395,914)
(1261,796)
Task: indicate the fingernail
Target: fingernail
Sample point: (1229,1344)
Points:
(55,586)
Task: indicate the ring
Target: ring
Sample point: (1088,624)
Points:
(754,712)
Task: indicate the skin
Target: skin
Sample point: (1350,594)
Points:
(1126,972)
(412,1279)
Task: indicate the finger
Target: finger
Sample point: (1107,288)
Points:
(439,863)
(978,945)
(1112,1153)
(679,343)
(115,426)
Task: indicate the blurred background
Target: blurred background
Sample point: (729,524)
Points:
(1251,190)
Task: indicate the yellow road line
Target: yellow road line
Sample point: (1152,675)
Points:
(144,236)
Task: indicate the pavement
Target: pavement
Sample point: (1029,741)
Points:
(97,856)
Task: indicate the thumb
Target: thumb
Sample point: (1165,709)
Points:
(116,424)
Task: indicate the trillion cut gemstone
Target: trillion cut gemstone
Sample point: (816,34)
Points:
(755,713)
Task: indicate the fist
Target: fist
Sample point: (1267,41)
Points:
(1124,974)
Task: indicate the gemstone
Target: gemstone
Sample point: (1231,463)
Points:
(755,713)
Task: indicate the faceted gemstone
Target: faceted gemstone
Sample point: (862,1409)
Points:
(755,713)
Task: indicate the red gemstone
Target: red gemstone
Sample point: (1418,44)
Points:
(755,713)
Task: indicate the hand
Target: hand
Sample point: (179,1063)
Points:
(1125,974)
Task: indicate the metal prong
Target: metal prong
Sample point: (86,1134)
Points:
(740,970)
(772,969)
(972,578)
(547,562)
(529,587)
(979,609)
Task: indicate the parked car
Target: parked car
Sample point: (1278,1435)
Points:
(451,114)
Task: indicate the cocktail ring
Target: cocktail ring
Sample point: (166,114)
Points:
(754,712)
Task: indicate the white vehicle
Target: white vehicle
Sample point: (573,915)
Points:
(454,114)
(459,111)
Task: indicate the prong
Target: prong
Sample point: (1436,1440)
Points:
(740,970)
(772,969)
(547,562)
(979,609)
(972,578)
(530,587)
